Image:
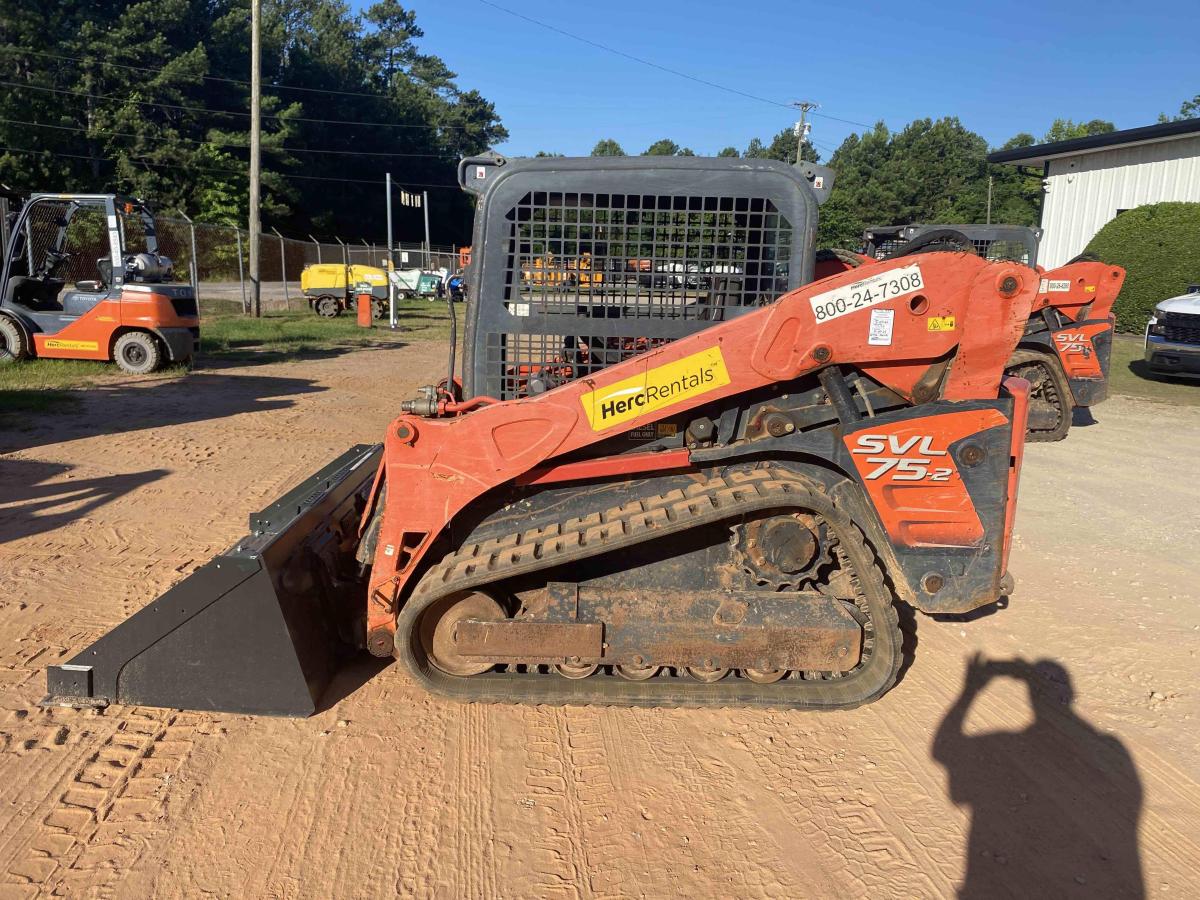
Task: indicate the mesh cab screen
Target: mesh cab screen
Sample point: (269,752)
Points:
(578,280)
(997,243)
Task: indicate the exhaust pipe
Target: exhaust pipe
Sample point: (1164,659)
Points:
(261,629)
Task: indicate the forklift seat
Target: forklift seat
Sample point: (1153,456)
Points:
(34,293)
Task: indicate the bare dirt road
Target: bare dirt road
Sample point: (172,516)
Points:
(1065,765)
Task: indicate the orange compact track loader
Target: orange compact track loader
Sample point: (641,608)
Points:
(120,306)
(709,493)
(1066,346)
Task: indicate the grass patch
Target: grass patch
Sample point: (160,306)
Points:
(51,385)
(1129,377)
(226,333)
(44,385)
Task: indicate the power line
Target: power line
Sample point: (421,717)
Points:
(222,112)
(143,162)
(654,65)
(284,87)
(222,143)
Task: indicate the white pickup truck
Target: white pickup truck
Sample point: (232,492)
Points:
(1173,335)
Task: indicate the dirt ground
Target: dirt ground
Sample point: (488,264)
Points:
(1001,787)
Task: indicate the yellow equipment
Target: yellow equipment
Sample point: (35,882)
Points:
(548,270)
(329,287)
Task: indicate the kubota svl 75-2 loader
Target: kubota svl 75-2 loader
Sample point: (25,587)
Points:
(678,490)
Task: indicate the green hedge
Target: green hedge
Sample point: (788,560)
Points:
(1159,247)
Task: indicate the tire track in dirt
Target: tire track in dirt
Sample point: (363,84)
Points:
(834,783)
(558,865)
(474,839)
(733,833)
(108,810)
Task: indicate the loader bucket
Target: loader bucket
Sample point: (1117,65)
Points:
(262,628)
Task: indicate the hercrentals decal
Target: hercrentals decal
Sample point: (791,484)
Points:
(655,389)
(60,344)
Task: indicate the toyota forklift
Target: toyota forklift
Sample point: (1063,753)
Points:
(82,278)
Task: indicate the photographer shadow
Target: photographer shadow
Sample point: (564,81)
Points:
(1055,806)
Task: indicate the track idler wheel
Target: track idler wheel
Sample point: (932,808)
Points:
(441,641)
(707,674)
(637,673)
(764,676)
(1050,404)
(576,671)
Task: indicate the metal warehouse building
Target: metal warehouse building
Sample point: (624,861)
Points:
(1089,181)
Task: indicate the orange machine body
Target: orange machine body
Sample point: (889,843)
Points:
(93,334)
(880,325)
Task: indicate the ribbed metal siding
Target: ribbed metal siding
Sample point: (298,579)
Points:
(1084,192)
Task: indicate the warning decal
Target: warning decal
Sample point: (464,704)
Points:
(941,323)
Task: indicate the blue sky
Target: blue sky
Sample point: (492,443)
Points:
(1001,68)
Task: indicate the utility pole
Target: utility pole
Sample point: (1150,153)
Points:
(989,208)
(255,150)
(241,272)
(802,127)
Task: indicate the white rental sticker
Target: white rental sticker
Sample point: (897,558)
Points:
(842,301)
(880,333)
(1060,285)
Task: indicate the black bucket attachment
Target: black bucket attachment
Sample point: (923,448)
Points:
(262,628)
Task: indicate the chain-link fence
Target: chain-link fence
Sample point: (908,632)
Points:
(215,259)
(222,260)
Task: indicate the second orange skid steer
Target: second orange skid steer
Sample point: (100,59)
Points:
(1066,347)
(728,518)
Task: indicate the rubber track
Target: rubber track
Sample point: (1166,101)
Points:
(714,499)
(1058,380)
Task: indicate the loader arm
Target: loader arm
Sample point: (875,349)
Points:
(879,320)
